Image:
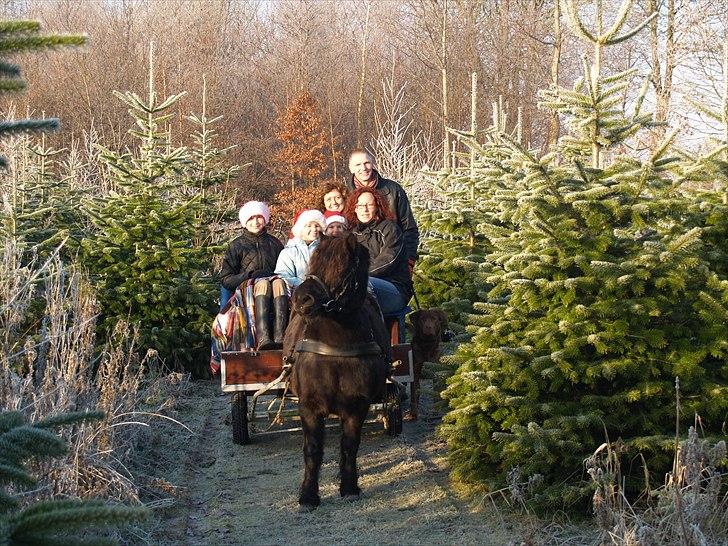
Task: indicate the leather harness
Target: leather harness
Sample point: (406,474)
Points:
(321,348)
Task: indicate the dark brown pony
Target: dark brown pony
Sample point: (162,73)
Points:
(339,368)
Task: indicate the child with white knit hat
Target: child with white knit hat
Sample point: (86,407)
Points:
(253,255)
(293,259)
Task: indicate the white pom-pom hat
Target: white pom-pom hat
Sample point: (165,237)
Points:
(306,216)
(254,208)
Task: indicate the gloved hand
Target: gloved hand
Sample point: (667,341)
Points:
(260,273)
(410,265)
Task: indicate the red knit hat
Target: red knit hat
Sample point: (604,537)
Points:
(335,217)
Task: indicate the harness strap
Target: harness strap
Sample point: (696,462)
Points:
(320,348)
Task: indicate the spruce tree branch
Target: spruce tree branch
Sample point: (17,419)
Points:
(632,33)
(19,26)
(576,23)
(17,44)
(12,86)
(619,20)
(9,69)
(28,125)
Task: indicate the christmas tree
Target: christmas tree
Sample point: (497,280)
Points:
(37,210)
(599,296)
(50,521)
(452,270)
(145,255)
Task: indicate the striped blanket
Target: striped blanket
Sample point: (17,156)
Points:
(234,327)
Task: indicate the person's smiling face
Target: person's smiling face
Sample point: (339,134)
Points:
(255,224)
(334,201)
(362,167)
(334,229)
(366,207)
(310,232)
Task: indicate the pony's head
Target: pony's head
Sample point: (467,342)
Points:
(338,273)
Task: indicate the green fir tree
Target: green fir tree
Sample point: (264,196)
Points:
(210,177)
(451,271)
(36,211)
(146,255)
(48,521)
(600,296)
(42,207)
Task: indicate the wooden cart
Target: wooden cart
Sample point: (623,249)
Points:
(247,374)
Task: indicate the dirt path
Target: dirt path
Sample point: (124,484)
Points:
(234,494)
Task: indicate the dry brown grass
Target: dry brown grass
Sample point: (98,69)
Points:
(50,364)
(690,509)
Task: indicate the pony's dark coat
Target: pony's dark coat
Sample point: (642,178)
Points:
(326,385)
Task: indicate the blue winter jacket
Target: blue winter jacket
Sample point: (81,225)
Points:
(293,261)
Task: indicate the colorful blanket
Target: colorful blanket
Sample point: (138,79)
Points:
(234,327)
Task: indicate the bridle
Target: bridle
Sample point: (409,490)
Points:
(336,301)
(337,298)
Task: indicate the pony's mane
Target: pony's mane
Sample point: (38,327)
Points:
(335,256)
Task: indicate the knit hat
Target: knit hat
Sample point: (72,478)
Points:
(336,217)
(306,216)
(254,208)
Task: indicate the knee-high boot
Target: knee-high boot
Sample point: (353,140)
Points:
(280,308)
(262,322)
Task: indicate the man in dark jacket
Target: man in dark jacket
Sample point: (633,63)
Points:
(364,174)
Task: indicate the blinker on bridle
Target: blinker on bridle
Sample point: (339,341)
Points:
(335,303)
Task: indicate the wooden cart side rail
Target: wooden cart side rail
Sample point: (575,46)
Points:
(404,372)
(250,371)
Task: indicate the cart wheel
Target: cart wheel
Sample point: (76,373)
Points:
(239,407)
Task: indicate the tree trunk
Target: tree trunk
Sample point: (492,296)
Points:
(555,62)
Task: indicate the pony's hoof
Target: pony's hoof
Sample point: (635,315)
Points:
(306,508)
(351,497)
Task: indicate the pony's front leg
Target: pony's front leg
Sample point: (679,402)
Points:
(351,425)
(313,451)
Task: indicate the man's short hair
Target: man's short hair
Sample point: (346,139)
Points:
(361,151)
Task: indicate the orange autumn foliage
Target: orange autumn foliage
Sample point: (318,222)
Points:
(301,158)
(287,203)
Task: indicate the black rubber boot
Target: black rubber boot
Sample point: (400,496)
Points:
(280,308)
(262,323)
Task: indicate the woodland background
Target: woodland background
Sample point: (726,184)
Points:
(258,56)
(578,247)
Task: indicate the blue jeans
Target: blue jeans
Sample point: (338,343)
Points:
(390,299)
(225,295)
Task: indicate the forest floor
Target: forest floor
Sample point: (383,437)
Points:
(229,494)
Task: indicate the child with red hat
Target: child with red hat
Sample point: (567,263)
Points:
(293,259)
(335,223)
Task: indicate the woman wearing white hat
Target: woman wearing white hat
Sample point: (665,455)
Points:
(253,255)
(293,259)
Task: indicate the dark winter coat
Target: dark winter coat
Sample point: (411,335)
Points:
(385,244)
(399,204)
(249,256)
